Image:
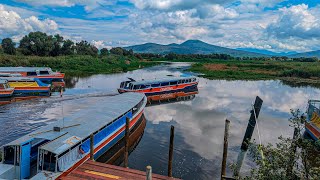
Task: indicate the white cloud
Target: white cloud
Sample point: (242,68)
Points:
(101,44)
(295,21)
(12,25)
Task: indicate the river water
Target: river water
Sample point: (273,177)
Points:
(199,123)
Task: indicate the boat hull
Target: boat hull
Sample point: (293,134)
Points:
(165,90)
(6,93)
(104,146)
(313,131)
(31,91)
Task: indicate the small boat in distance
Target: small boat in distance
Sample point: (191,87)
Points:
(53,151)
(6,92)
(45,74)
(28,87)
(160,86)
(312,124)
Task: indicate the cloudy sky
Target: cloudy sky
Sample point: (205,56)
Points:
(276,25)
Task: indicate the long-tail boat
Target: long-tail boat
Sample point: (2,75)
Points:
(312,124)
(6,92)
(28,87)
(45,74)
(55,150)
(160,86)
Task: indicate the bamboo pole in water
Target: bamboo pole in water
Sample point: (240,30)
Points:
(248,134)
(170,152)
(225,149)
(126,148)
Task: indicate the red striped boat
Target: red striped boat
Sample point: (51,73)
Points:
(312,124)
(160,86)
(45,74)
(6,92)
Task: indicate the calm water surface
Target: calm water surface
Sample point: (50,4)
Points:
(199,123)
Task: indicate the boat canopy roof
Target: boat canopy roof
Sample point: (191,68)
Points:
(18,78)
(157,81)
(81,124)
(23,69)
(3,81)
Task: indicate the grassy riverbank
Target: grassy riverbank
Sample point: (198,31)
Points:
(79,64)
(300,72)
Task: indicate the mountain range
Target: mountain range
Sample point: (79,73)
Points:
(200,47)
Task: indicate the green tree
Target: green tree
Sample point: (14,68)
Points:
(57,45)
(8,46)
(104,52)
(290,158)
(117,51)
(85,48)
(67,47)
(37,43)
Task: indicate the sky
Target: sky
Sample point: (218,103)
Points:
(275,25)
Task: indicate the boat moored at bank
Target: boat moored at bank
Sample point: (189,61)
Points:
(45,74)
(312,124)
(160,86)
(55,150)
(28,87)
(6,92)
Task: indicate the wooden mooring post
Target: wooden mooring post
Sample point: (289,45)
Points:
(170,152)
(126,147)
(61,91)
(294,150)
(225,149)
(149,173)
(91,147)
(248,134)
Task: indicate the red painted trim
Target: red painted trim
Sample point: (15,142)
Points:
(313,130)
(85,158)
(161,89)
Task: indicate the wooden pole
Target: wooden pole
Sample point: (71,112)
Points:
(248,134)
(294,149)
(225,149)
(170,152)
(61,91)
(91,147)
(126,148)
(149,173)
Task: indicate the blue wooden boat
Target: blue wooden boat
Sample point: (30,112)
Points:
(312,124)
(55,150)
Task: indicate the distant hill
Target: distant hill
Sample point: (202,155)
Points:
(266,52)
(306,54)
(191,47)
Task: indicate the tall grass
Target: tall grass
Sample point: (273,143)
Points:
(77,64)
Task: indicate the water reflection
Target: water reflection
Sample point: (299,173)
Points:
(199,122)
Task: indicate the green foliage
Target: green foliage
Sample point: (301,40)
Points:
(67,48)
(296,73)
(104,52)
(78,64)
(290,158)
(85,48)
(8,46)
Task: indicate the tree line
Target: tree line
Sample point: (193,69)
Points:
(41,44)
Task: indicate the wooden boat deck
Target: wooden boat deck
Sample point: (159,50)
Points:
(96,170)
